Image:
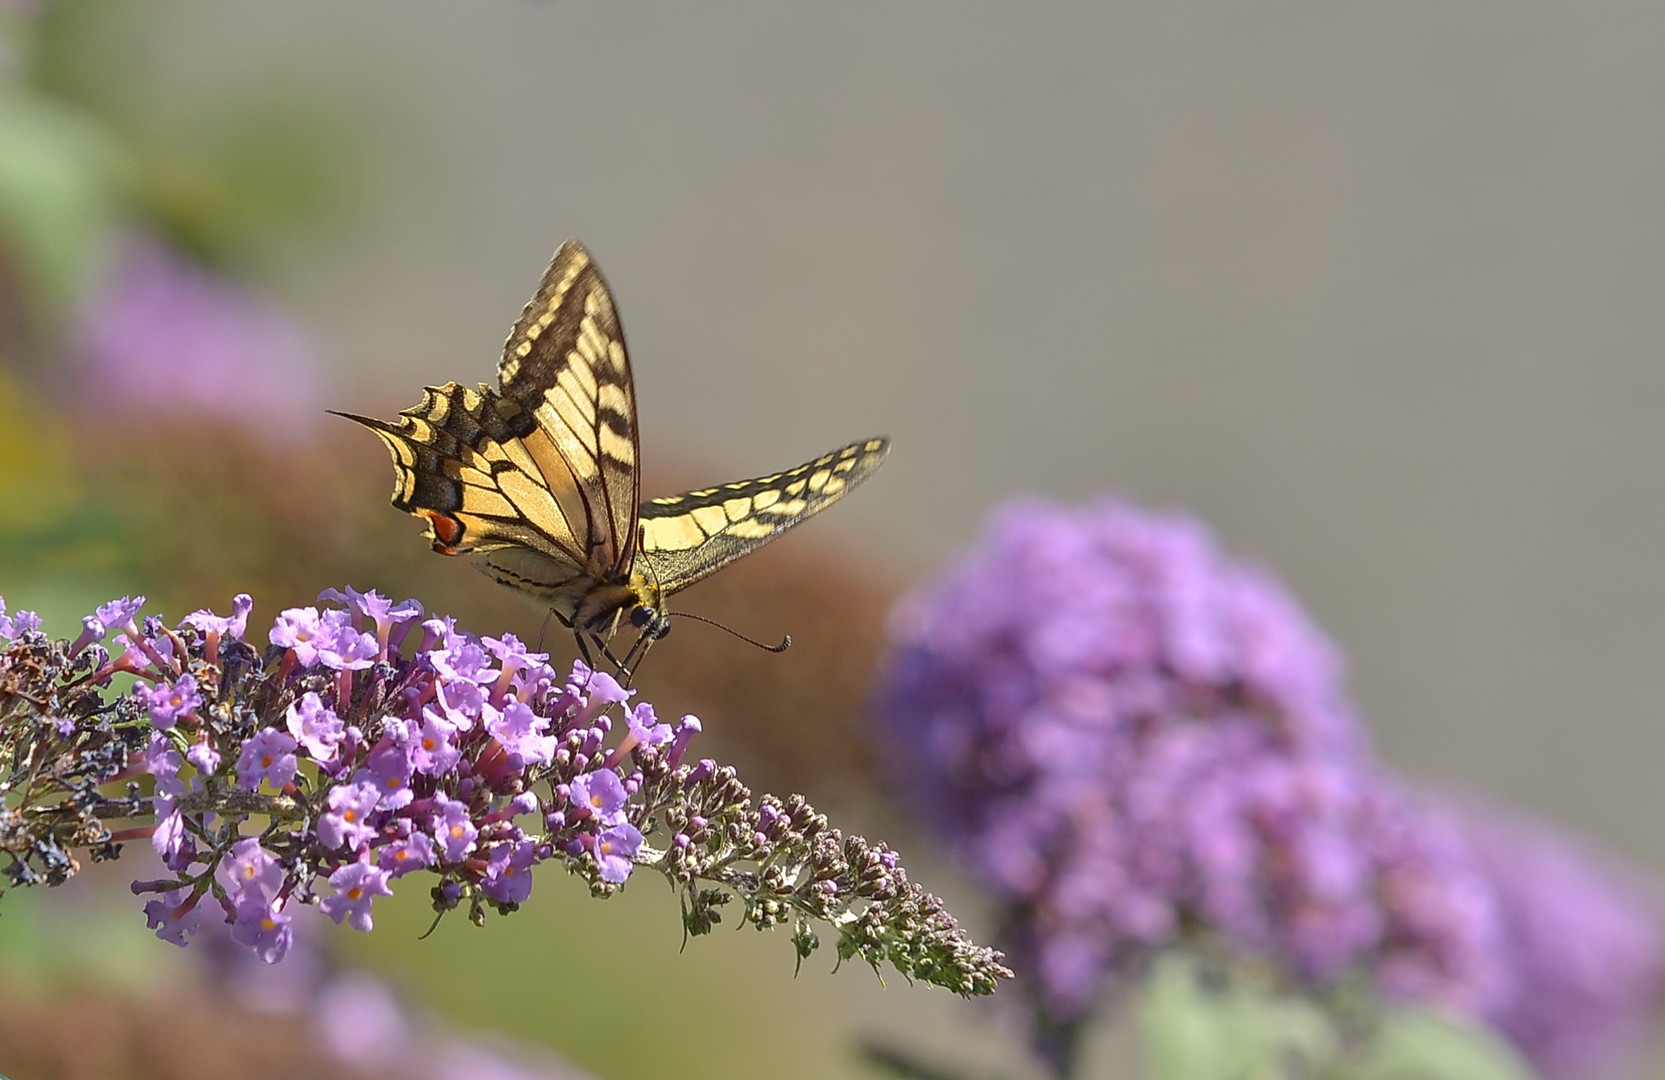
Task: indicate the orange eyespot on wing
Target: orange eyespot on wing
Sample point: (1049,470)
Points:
(445,529)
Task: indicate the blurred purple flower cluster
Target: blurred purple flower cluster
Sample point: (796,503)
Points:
(162,335)
(1582,939)
(1137,742)
(357,1019)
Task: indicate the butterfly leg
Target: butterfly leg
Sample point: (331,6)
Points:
(638,650)
(621,666)
(584,649)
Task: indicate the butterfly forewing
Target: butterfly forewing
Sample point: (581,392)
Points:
(565,363)
(686,537)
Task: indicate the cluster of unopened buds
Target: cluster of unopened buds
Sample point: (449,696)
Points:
(366,742)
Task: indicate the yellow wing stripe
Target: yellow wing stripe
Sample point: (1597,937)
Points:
(687,537)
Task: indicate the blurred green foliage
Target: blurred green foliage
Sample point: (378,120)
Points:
(1203,1020)
(61,175)
(250,165)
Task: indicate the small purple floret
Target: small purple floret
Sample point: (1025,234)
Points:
(347,823)
(315,726)
(356,884)
(249,871)
(264,926)
(233,627)
(414,852)
(614,848)
(388,770)
(268,756)
(174,916)
(454,830)
(509,872)
(601,794)
(163,762)
(645,726)
(168,703)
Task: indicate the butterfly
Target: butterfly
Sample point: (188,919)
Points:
(538,475)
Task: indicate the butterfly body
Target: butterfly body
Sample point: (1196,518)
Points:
(538,474)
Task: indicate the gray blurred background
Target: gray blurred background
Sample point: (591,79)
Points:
(1371,288)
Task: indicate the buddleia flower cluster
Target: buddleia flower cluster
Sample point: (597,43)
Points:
(1139,743)
(366,742)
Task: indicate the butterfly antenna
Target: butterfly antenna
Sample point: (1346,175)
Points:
(785,642)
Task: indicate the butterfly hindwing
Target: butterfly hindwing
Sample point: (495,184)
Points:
(459,465)
(565,364)
(689,536)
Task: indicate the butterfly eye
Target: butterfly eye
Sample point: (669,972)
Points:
(641,616)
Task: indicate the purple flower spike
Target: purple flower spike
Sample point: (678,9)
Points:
(356,884)
(602,794)
(614,848)
(269,756)
(162,336)
(337,757)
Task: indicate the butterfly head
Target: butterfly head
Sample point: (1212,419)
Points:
(651,621)
(645,606)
